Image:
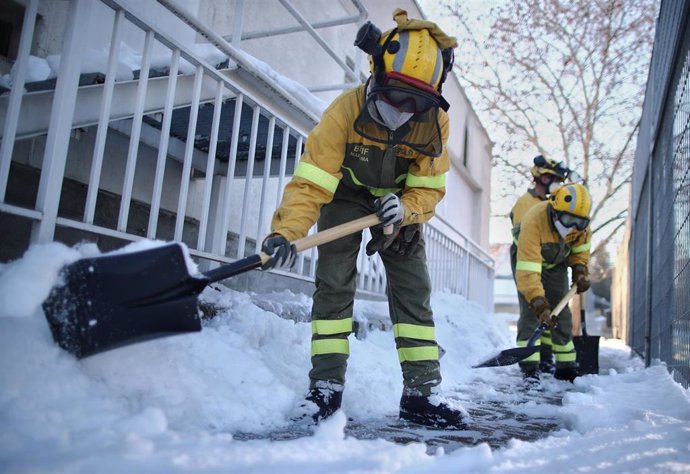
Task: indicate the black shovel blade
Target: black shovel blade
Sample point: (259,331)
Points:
(508,357)
(106,302)
(587,350)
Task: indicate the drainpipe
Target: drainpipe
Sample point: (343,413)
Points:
(650,251)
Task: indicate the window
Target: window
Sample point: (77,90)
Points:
(11,19)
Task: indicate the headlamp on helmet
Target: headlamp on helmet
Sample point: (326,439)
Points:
(545,166)
(368,38)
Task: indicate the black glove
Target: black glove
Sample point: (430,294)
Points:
(390,210)
(407,239)
(402,241)
(282,252)
(542,311)
(380,241)
(581,277)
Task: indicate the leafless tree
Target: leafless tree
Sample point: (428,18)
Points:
(562,78)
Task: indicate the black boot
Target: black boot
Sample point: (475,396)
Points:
(568,373)
(421,410)
(546,364)
(530,375)
(320,403)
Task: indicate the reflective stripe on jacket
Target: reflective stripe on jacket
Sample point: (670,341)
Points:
(540,247)
(335,155)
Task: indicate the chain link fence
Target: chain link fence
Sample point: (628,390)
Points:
(659,249)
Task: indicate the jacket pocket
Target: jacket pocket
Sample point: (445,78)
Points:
(554,253)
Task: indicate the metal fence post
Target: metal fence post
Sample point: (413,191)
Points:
(57,141)
(18,79)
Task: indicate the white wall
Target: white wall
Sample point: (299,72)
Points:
(295,55)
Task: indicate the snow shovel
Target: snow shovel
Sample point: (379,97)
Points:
(586,347)
(111,301)
(515,355)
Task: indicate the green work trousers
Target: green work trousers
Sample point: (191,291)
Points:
(555,282)
(545,351)
(409,294)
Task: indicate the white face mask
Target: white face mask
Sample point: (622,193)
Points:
(391,117)
(563,230)
(554,186)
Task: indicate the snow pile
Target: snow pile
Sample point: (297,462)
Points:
(173,404)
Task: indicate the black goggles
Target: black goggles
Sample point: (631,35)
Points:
(405,99)
(570,220)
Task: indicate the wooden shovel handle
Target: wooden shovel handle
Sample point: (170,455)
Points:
(566,299)
(336,232)
(329,235)
(554,315)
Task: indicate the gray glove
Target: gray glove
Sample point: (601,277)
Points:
(390,210)
(283,253)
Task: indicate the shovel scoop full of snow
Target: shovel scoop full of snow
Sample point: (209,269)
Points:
(508,357)
(515,355)
(109,301)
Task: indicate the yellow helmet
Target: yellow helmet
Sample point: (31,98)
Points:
(412,56)
(544,166)
(572,204)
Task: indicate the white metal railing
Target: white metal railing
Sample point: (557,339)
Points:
(159,183)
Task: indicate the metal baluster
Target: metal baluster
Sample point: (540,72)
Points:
(57,141)
(221,231)
(103,119)
(21,67)
(135,134)
(283,164)
(163,146)
(265,181)
(188,154)
(249,177)
(210,165)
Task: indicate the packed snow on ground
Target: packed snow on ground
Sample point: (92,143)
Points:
(173,404)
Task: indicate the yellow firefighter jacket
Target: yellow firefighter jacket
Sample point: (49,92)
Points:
(335,155)
(524,204)
(541,248)
(521,206)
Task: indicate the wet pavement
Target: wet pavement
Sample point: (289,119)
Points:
(497,414)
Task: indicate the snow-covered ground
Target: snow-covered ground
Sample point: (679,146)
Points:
(173,404)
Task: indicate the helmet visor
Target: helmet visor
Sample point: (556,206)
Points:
(571,220)
(405,98)
(421,132)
